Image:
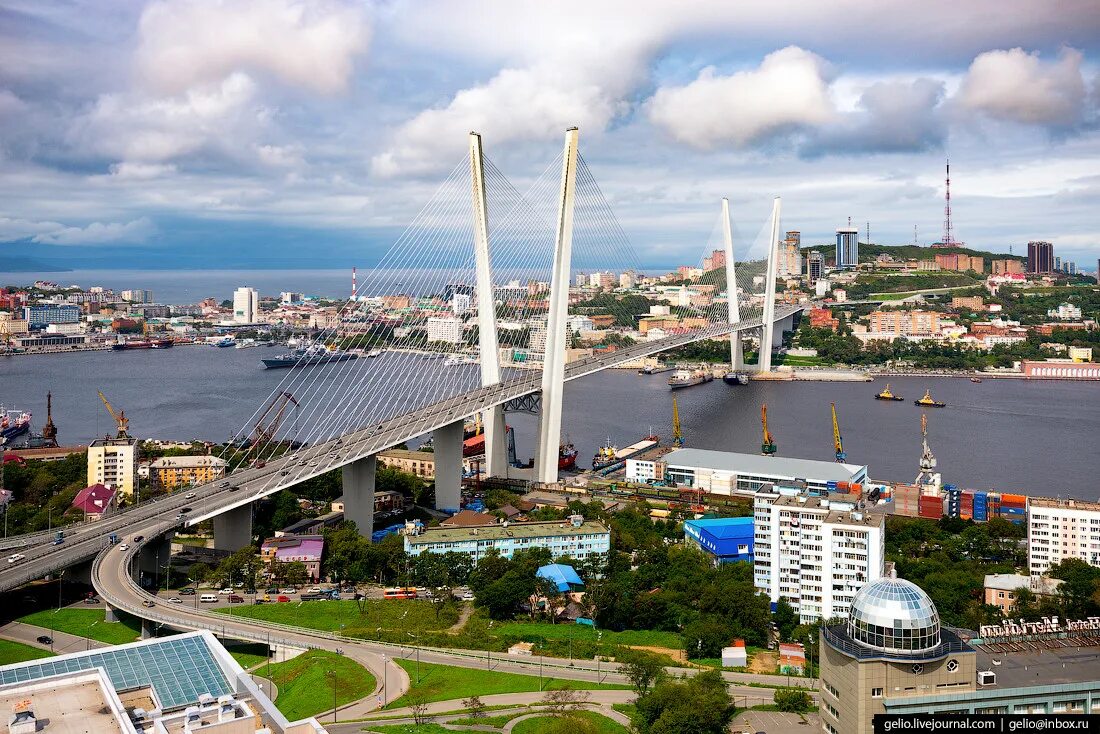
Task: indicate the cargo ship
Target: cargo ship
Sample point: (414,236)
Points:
(14,423)
(567,457)
(608,456)
(307,357)
(928,402)
(247,344)
(688,378)
(887,395)
(143,344)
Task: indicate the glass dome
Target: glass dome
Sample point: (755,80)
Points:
(894,615)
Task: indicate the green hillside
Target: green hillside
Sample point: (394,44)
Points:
(868,252)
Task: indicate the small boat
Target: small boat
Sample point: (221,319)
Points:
(928,402)
(736,378)
(887,395)
(687,378)
(975,379)
(374,353)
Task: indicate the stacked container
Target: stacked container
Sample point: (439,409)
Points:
(952,502)
(966,510)
(930,506)
(905,499)
(981,506)
(1014,507)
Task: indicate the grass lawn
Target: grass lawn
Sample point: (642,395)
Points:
(248,654)
(531,631)
(17,652)
(87,623)
(496,721)
(447,682)
(305,687)
(409,729)
(343,616)
(601,723)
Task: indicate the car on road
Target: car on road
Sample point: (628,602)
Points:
(189,496)
(289,590)
(225,591)
(44,640)
(91,600)
(185,510)
(15,557)
(148,603)
(224,484)
(139,538)
(282,597)
(233,487)
(208,598)
(271,590)
(187,591)
(175,600)
(284,473)
(315,590)
(235,599)
(124,547)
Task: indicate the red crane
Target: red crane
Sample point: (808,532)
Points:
(273,416)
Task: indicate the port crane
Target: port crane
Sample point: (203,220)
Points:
(677,432)
(121,421)
(767,448)
(927,473)
(268,424)
(838,443)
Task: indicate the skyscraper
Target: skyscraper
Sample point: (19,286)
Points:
(815,266)
(246,303)
(790,255)
(847,247)
(1040,257)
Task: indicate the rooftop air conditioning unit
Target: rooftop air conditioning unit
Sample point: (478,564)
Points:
(987,678)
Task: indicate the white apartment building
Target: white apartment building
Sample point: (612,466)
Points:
(113,462)
(444,330)
(246,305)
(814,553)
(1065,312)
(1061,529)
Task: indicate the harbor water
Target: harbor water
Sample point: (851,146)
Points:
(1038,438)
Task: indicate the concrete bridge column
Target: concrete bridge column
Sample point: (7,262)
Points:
(233,529)
(148,629)
(111,613)
(358,480)
(448,466)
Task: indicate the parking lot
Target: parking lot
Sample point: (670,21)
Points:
(775,722)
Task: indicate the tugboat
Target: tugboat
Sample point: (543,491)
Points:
(736,378)
(887,395)
(975,379)
(928,402)
(567,457)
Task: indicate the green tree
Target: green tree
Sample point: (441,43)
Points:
(700,704)
(785,618)
(792,700)
(643,670)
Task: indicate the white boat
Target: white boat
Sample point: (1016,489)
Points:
(374,353)
(453,361)
(687,378)
(247,344)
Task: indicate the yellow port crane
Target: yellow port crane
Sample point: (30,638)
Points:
(768,446)
(121,421)
(677,433)
(838,443)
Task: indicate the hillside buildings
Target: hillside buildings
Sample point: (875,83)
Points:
(574,538)
(1059,529)
(113,462)
(171,472)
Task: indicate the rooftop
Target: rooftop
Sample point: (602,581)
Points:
(768,466)
(724,527)
(468,519)
(1013,581)
(1066,504)
(1050,665)
(500,532)
(70,705)
(866,519)
(187,462)
(560,574)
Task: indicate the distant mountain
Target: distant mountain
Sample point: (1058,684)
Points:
(18,264)
(868,252)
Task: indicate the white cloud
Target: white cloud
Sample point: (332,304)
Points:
(891,117)
(1017,86)
(136,231)
(12,229)
(10,104)
(788,91)
(186,43)
(140,171)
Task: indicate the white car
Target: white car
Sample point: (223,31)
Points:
(189,496)
(225,591)
(124,547)
(15,557)
(468,596)
(315,590)
(175,600)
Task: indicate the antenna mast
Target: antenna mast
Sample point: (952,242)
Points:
(948,235)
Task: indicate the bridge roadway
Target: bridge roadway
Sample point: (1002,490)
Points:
(246,485)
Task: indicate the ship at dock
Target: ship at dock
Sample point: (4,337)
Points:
(13,424)
(143,344)
(736,378)
(611,457)
(307,357)
(688,378)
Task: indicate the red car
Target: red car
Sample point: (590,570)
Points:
(236,599)
(283,598)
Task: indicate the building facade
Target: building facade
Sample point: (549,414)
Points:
(41,315)
(446,330)
(1040,258)
(1060,529)
(815,266)
(575,539)
(725,539)
(246,305)
(1001,588)
(171,472)
(114,462)
(903,323)
(847,248)
(814,552)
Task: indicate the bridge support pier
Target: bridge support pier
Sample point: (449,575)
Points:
(111,613)
(233,529)
(148,629)
(358,481)
(447,441)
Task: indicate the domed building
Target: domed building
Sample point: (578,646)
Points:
(891,646)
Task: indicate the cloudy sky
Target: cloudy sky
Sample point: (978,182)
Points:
(243,133)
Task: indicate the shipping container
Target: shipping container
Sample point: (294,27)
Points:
(1014,499)
(980,513)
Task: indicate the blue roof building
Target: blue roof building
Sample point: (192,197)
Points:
(565,577)
(728,539)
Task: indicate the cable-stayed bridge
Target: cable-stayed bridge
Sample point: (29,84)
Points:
(470,311)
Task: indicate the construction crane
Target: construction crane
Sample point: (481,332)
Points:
(121,421)
(677,433)
(768,446)
(268,424)
(838,443)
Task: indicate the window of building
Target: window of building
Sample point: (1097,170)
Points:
(876,693)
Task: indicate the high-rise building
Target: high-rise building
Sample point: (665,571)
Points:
(790,255)
(1007,267)
(137,296)
(1061,529)
(628,279)
(1040,257)
(815,266)
(444,330)
(246,305)
(44,314)
(1057,264)
(847,247)
(113,462)
(814,554)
